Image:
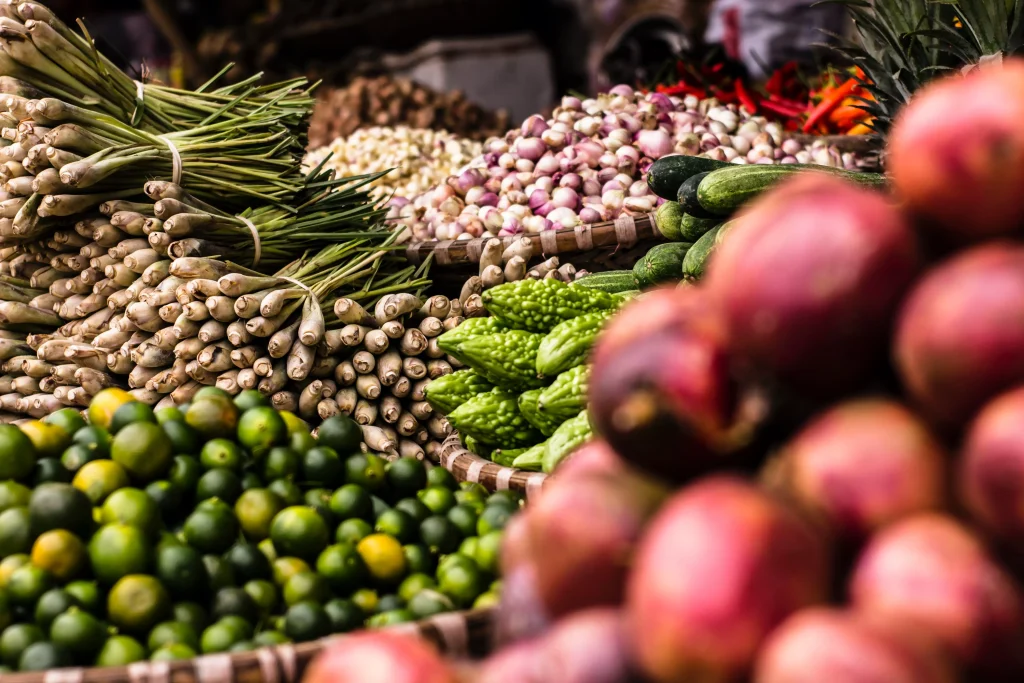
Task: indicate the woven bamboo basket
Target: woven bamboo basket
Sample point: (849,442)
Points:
(467,466)
(459,635)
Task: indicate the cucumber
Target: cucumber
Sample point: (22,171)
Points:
(668,218)
(663,263)
(697,256)
(688,197)
(668,173)
(692,228)
(612,281)
(723,191)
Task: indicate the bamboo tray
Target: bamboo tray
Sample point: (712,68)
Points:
(467,466)
(456,634)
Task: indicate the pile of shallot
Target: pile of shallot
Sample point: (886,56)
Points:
(588,164)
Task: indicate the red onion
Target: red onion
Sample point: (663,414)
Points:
(491,159)
(533,126)
(628,158)
(623,90)
(546,165)
(625,180)
(639,204)
(536,224)
(613,199)
(491,217)
(516,197)
(509,183)
(654,143)
(638,189)
(397,202)
(588,126)
(510,224)
(451,207)
(442,192)
(544,209)
(608,160)
(630,123)
(507,161)
(589,151)
(564,216)
(591,186)
(645,165)
(547,184)
(570,102)
(571,180)
(607,171)
(553,138)
(530,148)
(504,202)
(588,215)
(661,101)
(538,199)
(487,199)
(565,197)
(524,165)
(519,210)
(497,146)
(473,194)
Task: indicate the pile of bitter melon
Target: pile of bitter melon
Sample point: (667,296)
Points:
(521,400)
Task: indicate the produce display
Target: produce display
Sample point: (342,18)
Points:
(221,526)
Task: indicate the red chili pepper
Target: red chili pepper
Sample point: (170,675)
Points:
(829,102)
(782,109)
(745,97)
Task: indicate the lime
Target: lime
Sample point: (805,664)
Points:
(137,602)
(367,470)
(270,638)
(494,517)
(222,453)
(134,507)
(60,553)
(342,566)
(120,651)
(49,439)
(469,546)
(352,531)
(15,531)
(406,476)
(183,438)
(462,583)
(9,564)
(487,600)
(95,439)
(321,466)
(260,428)
(320,500)
(506,497)
(414,508)
(440,535)
(50,605)
(383,557)
(306,586)
(104,404)
(143,450)
(439,476)
(341,433)
(464,518)
(250,398)
(175,652)
(167,497)
(438,498)
(185,472)
(48,470)
(80,632)
(242,646)
(17,453)
(294,423)
(117,550)
(380,506)
(366,599)
(287,490)
(287,567)
(233,601)
(248,562)
(251,480)
(169,414)
(193,614)
(240,626)
(77,455)
(281,463)
(13,494)
(128,413)
(413,584)
(301,441)
(27,584)
(470,499)
(68,419)
(212,416)
(306,621)
(488,552)
(212,527)
(454,560)
(44,656)
(220,483)
(390,618)
(264,594)
(428,603)
(352,501)
(219,572)
(86,595)
(16,639)
(345,615)
(210,392)
(300,532)
(99,478)
(219,638)
(418,559)
(266,547)
(397,524)
(181,570)
(255,510)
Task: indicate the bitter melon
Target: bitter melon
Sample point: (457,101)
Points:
(567,438)
(448,392)
(507,359)
(494,419)
(539,305)
(568,344)
(567,395)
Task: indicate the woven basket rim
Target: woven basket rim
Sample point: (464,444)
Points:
(468,466)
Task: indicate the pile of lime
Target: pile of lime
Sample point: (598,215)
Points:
(222,526)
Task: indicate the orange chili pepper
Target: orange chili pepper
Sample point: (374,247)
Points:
(828,103)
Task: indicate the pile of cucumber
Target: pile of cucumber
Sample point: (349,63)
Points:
(702,195)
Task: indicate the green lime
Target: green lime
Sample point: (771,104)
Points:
(508,498)
(49,439)
(462,583)
(242,646)
(281,463)
(306,586)
(95,439)
(117,550)
(27,584)
(212,528)
(380,506)
(59,506)
(287,490)
(366,600)
(383,557)
(469,546)
(487,600)
(213,416)
(248,562)
(210,392)
(397,524)
(473,488)
(300,442)
(13,494)
(185,472)
(342,566)
(464,518)
(488,553)
(168,498)
(86,595)
(219,638)
(17,453)
(320,500)
(345,615)
(128,413)
(120,650)
(367,470)
(143,450)
(15,531)
(470,499)
(454,560)
(68,419)
(306,621)
(352,501)
(9,564)
(16,639)
(77,455)
(250,398)
(60,553)
(429,602)
(175,652)
(414,508)
(255,510)
(251,480)
(233,601)
(418,559)
(352,531)
(50,605)
(241,626)
(287,567)
(48,470)
(390,618)
(294,423)
(44,656)
(263,594)
(340,433)
(270,638)
(169,414)
(222,453)
(80,632)
(266,547)
(138,602)
(406,476)
(440,535)
(260,428)
(99,478)
(193,614)
(104,404)
(321,466)
(413,584)
(439,476)
(134,507)
(180,568)
(183,438)
(220,483)
(172,632)
(300,532)
(494,517)
(438,498)
(219,573)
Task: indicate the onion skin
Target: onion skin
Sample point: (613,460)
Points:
(809,281)
(720,567)
(960,338)
(862,465)
(930,575)
(379,657)
(950,147)
(820,645)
